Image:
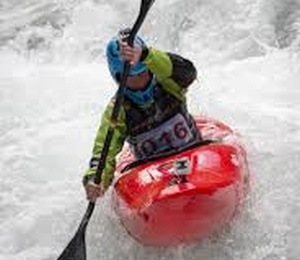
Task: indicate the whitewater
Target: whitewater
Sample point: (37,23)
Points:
(54,85)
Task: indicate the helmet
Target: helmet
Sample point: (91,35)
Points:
(142,97)
(115,62)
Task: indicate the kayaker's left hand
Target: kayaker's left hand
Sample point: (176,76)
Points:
(93,191)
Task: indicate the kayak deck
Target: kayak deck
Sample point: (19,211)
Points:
(185,196)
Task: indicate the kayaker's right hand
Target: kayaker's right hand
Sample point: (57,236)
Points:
(130,54)
(93,191)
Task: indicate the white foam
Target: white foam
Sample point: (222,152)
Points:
(51,100)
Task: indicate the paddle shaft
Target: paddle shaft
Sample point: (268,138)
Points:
(145,6)
(76,247)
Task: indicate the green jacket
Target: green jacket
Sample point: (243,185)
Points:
(174,74)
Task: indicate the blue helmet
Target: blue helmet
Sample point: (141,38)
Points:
(142,97)
(116,64)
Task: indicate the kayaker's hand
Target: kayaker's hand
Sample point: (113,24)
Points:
(130,54)
(93,191)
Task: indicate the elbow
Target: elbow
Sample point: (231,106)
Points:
(184,71)
(191,75)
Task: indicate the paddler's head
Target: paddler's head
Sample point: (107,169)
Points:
(140,81)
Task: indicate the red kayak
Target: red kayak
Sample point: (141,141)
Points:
(183,197)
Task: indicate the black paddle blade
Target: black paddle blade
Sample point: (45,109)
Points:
(76,249)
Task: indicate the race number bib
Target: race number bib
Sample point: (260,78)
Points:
(174,133)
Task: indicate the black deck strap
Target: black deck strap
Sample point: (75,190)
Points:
(166,154)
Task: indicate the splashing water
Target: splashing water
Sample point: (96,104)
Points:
(54,85)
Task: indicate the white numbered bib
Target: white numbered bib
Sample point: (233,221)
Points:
(174,133)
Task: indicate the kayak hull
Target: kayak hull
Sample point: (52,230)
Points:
(186,196)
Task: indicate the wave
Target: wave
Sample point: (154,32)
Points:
(215,30)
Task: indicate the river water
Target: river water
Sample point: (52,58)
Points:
(54,85)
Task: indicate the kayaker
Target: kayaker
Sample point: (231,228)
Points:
(153,117)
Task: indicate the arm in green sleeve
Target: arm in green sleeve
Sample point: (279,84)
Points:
(172,71)
(115,146)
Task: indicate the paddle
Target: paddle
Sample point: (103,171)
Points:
(76,249)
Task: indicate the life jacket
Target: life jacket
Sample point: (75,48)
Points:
(163,126)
